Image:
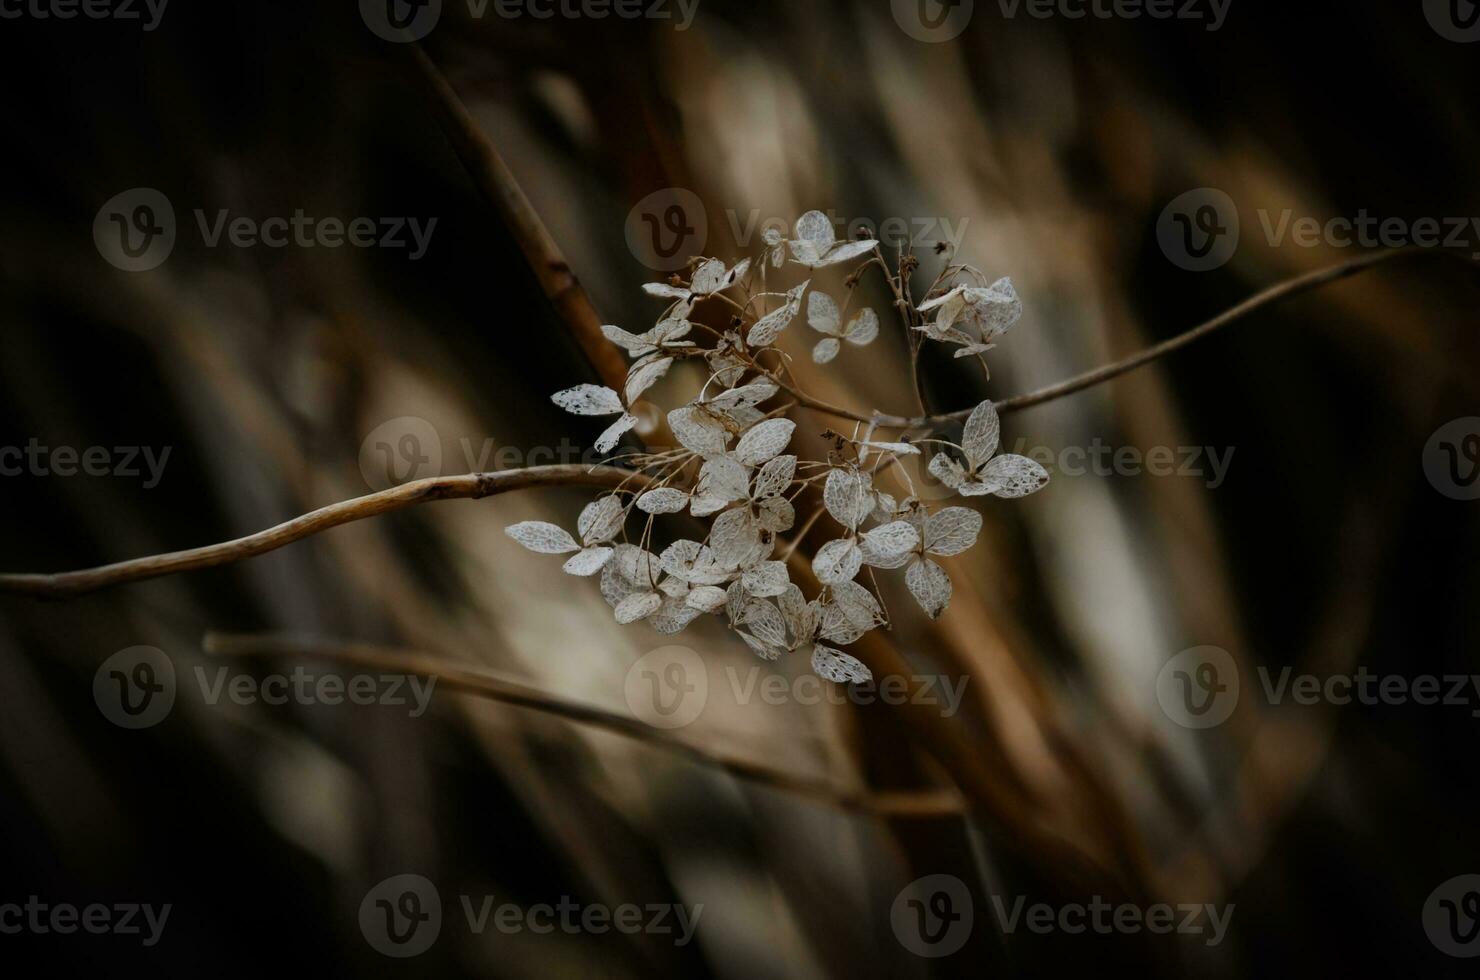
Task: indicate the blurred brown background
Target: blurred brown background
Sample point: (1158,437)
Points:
(1055,145)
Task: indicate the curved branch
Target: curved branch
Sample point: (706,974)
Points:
(471,486)
(1267,297)
(454,676)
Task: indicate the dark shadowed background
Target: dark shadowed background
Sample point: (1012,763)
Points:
(1054,146)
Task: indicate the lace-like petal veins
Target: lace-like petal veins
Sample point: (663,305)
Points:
(601,519)
(951,530)
(977,489)
(762,650)
(863,328)
(769,327)
(815,228)
(607,441)
(707,598)
(588,400)
(826,350)
(858,604)
(846,496)
(838,667)
(665,291)
(696,432)
(637,606)
(637,566)
(767,578)
(845,252)
(703,506)
(644,375)
(709,277)
(630,342)
(542,538)
(800,615)
(763,442)
(664,500)
(733,536)
(745,396)
(983,432)
(765,622)
(837,561)
(996,309)
(1014,476)
(930,585)
(673,615)
(775,477)
(587,562)
(725,478)
(775,514)
(947,471)
(892,539)
(822,313)
(693,562)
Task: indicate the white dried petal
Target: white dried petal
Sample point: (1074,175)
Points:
(673,615)
(857,604)
(897,448)
(844,252)
(769,327)
(954,296)
(775,477)
(822,313)
(693,562)
(890,540)
(775,514)
(951,530)
(725,478)
(847,497)
(607,441)
(947,471)
(601,519)
(697,431)
(640,605)
(983,432)
(630,342)
(703,506)
(762,650)
(663,500)
(838,667)
(994,310)
(709,277)
(733,536)
(816,228)
(800,615)
(588,400)
(746,396)
(542,537)
(863,328)
(765,621)
(636,565)
(826,350)
(837,561)
(764,441)
(644,375)
(767,578)
(930,585)
(707,598)
(1014,476)
(662,289)
(588,561)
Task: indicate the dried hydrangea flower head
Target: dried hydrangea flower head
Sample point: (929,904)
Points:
(732,473)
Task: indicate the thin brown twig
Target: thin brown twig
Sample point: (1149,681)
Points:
(470,486)
(454,676)
(1280,291)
